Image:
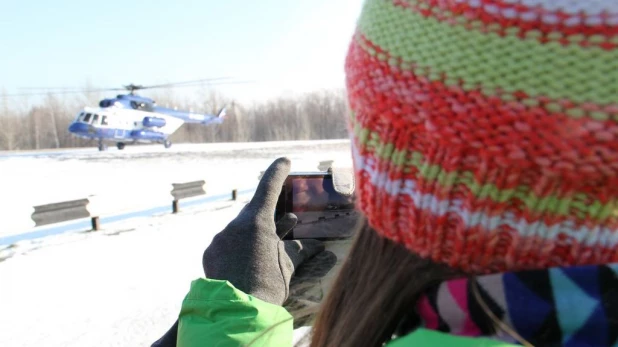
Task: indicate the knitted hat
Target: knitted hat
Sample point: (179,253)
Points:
(485,132)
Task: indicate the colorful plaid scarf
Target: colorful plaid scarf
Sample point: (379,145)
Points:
(572,306)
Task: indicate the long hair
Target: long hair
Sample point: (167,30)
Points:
(377,287)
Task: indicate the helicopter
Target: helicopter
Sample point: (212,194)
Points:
(131,118)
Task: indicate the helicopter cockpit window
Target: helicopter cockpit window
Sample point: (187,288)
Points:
(146,106)
(104,120)
(95,119)
(87,118)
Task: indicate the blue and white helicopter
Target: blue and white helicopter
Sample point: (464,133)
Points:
(130,118)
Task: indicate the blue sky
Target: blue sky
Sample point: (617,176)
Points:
(284,45)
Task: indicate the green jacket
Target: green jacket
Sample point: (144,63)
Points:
(214,313)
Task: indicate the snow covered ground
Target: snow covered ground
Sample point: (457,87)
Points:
(139,177)
(122,286)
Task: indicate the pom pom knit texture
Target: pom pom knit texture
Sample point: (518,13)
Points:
(485,132)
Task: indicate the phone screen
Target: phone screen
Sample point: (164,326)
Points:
(322,212)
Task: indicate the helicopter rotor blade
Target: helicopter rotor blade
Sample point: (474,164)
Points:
(64,88)
(178,84)
(213,84)
(130,87)
(75,89)
(61,92)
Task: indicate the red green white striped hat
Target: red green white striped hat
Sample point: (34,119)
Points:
(485,132)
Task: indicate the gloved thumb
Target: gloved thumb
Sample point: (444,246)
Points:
(286,224)
(299,251)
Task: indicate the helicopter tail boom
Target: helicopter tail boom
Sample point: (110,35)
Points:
(195,118)
(218,119)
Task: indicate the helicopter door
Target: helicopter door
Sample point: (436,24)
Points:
(119,133)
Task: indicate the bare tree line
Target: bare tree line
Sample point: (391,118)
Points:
(316,115)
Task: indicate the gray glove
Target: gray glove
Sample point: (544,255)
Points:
(249,252)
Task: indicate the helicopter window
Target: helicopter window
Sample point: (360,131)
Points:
(103,120)
(95,119)
(87,118)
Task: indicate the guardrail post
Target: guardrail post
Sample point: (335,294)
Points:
(96,223)
(235,194)
(175,207)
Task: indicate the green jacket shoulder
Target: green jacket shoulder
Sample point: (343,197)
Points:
(425,337)
(214,313)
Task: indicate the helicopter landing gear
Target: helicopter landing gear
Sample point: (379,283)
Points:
(102,146)
(167,143)
(120,146)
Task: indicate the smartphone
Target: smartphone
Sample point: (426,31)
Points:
(322,212)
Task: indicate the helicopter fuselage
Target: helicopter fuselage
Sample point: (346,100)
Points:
(134,119)
(122,125)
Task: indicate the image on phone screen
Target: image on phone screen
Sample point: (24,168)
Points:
(322,212)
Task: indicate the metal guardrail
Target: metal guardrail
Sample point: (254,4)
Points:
(186,190)
(67,211)
(74,210)
(60,212)
(325,165)
(30,233)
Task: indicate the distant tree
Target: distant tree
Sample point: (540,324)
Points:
(8,128)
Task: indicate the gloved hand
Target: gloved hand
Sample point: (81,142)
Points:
(249,252)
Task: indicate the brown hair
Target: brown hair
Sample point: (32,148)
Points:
(377,287)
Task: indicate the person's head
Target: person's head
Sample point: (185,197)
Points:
(485,140)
